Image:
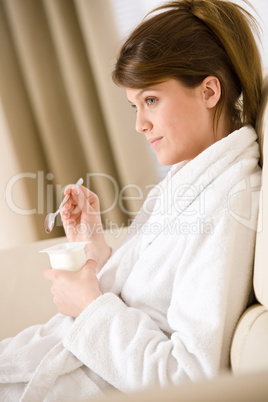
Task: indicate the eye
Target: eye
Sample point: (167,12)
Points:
(134,107)
(150,101)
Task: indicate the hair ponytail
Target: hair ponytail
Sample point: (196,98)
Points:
(231,24)
(191,39)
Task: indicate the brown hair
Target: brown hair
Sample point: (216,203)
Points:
(190,40)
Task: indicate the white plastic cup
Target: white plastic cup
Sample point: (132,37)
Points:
(67,256)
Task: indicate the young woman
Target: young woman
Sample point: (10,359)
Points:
(163,307)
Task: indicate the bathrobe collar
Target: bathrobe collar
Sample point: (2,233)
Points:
(186,180)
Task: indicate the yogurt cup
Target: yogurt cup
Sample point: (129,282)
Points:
(67,256)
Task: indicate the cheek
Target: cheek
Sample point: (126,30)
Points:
(179,117)
(190,118)
(179,123)
(180,112)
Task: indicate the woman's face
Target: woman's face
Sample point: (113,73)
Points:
(176,120)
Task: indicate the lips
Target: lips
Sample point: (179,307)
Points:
(155,141)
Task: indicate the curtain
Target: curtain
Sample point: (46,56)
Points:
(62,117)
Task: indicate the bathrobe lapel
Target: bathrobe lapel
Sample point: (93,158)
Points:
(186,181)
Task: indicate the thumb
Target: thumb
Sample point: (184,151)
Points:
(91,264)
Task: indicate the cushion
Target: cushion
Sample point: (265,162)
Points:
(261,254)
(250,343)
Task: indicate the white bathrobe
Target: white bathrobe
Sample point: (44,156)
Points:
(173,292)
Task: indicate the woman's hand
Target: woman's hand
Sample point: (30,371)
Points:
(81,214)
(82,222)
(74,291)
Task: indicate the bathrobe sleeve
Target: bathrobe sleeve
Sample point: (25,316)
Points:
(126,346)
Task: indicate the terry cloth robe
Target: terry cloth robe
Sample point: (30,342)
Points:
(172,293)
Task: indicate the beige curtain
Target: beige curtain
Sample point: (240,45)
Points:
(61,116)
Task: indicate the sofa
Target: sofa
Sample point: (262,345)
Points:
(25,300)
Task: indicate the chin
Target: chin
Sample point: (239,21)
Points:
(169,161)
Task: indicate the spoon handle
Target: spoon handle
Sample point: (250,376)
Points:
(80,182)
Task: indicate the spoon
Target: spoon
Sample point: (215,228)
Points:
(50,218)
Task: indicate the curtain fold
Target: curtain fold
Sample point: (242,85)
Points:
(83,97)
(64,116)
(20,145)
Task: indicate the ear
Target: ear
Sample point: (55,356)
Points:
(211,91)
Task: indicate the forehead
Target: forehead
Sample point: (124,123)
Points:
(162,86)
(169,87)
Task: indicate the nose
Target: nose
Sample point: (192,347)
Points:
(143,124)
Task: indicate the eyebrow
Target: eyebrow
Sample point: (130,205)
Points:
(142,91)
(145,90)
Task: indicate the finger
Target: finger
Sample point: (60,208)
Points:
(72,202)
(71,189)
(65,213)
(67,219)
(89,195)
(71,197)
(48,274)
(69,205)
(79,197)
